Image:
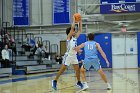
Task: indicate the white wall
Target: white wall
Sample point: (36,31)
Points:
(35,14)
(7,6)
(40,12)
(47,12)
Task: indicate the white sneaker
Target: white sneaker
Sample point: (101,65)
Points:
(85,86)
(108,86)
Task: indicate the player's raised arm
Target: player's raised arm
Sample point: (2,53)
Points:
(72,29)
(80,29)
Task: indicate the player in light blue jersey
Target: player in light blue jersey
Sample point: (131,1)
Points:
(91,49)
(70,56)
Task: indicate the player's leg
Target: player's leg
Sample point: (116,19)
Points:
(82,72)
(75,64)
(103,76)
(77,71)
(54,82)
(86,66)
(66,63)
(98,68)
(83,76)
(62,69)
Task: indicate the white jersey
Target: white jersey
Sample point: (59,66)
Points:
(71,44)
(70,56)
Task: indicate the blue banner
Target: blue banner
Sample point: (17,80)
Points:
(117,1)
(21,12)
(138,42)
(61,12)
(119,8)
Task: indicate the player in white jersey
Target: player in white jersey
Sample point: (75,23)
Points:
(70,56)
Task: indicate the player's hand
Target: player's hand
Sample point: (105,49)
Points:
(107,63)
(76,49)
(73,19)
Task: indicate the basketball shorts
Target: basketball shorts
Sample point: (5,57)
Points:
(67,60)
(80,65)
(88,63)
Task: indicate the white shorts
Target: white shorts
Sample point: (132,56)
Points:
(67,60)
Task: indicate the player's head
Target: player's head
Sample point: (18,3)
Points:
(68,31)
(90,36)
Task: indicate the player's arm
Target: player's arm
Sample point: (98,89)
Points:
(78,48)
(80,29)
(102,53)
(72,29)
(80,51)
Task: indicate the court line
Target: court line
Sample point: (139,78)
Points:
(10,80)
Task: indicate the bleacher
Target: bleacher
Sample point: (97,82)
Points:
(4,72)
(34,65)
(23,64)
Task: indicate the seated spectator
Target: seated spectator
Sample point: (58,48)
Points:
(5,57)
(13,47)
(46,51)
(12,44)
(39,50)
(28,43)
(58,59)
(33,51)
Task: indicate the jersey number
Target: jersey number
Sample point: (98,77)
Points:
(90,47)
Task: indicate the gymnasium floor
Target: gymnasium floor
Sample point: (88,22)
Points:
(122,81)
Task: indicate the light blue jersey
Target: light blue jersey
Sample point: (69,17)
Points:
(91,57)
(90,49)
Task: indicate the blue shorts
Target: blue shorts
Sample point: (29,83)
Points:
(88,63)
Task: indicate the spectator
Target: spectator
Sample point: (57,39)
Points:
(39,53)
(5,57)
(39,50)
(28,43)
(58,59)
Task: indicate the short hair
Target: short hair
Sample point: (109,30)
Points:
(68,30)
(91,36)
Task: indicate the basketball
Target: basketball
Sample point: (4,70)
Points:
(77,17)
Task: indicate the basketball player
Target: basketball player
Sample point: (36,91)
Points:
(91,59)
(70,56)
